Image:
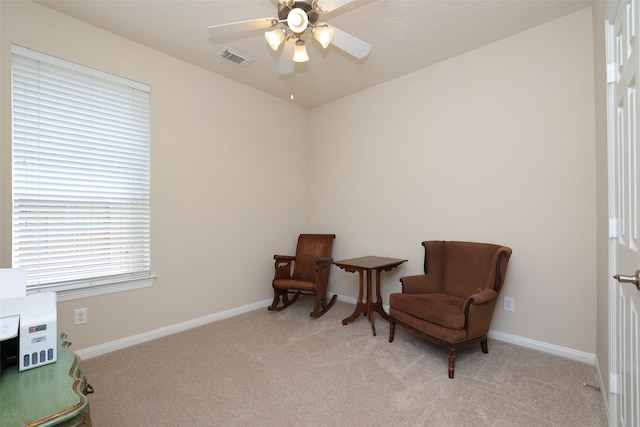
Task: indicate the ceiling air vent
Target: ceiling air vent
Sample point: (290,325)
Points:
(234,56)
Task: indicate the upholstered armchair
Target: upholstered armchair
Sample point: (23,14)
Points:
(452,303)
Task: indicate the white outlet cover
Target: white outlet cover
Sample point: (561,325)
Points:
(80,316)
(508,304)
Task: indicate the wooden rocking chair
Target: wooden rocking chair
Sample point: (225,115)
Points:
(310,275)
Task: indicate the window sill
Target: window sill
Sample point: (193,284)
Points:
(64,293)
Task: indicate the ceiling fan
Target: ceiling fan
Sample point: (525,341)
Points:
(295,17)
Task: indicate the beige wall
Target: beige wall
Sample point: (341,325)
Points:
(227,190)
(494,145)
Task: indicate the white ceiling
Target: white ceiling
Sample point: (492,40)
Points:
(406,35)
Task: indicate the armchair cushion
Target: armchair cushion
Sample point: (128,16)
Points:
(440,334)
(441,309)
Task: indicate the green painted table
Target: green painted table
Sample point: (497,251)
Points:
(50,395)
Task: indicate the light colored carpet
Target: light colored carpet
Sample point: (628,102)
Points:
(285,369)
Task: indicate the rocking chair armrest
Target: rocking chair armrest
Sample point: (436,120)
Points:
(283,266)
(322,263)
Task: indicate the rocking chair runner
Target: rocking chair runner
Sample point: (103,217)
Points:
(310,275)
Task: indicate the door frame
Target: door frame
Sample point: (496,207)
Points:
(612,396)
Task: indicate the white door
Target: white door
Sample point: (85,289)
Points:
(624,151)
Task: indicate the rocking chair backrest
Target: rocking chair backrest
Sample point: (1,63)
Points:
(310,247)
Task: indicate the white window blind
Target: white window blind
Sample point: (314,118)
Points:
(80,174)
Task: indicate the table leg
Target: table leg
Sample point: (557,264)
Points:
(360,306)
(377,306)
(370,303)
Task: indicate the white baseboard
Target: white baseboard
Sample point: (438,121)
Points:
(351,300)
(100,349)
(108,347)
(569,353)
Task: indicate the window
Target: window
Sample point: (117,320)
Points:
(80,177)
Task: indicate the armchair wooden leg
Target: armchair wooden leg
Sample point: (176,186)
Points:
(452,361)
(392,329)
(483,345)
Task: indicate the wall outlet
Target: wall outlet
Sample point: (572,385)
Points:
(80,316)
(509,304)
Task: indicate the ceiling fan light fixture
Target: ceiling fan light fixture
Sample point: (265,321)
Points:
(300,52)
(297,20)
(323,34)
(275,37)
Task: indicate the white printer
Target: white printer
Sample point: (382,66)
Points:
(28,330)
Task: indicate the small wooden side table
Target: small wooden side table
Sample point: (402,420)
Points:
(362,265)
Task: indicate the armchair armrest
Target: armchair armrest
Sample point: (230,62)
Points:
(419,284)
(479,311)
(483,296)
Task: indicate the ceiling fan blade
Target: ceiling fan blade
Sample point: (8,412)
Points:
(286,60)
(241,26)
(327,6)
(350,44)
